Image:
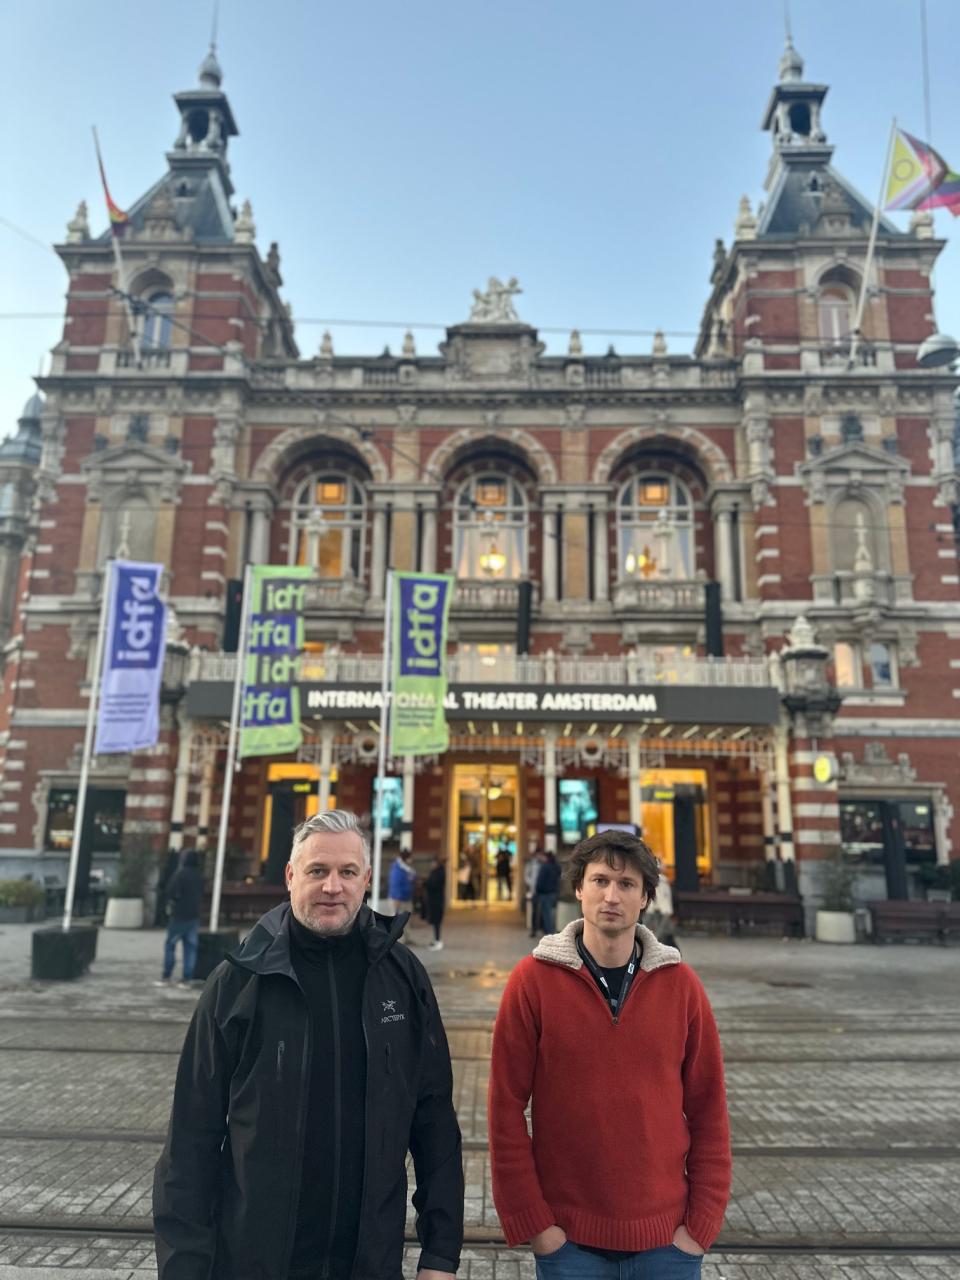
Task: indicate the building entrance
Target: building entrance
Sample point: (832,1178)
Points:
(484,833)
(291,798)
(676,823)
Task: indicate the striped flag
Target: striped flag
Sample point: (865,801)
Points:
(118,219)
(916,171)
(946,196)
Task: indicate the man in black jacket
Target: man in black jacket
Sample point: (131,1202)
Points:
(183,895)
(315,1060)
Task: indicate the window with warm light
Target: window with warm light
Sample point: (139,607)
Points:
(846,662)
(655,529)
(491,529)
(327,526)
(487,661)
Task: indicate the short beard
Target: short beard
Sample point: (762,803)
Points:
(324,930)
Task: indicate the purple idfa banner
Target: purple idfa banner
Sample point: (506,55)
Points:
(129,714)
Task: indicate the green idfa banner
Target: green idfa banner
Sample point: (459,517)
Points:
(421,602)
(270,701)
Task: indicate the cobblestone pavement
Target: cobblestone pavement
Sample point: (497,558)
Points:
(841,1068)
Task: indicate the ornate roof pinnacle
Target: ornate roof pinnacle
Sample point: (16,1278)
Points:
(791,64)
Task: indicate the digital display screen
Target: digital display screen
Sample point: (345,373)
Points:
(390,806)
(576,808)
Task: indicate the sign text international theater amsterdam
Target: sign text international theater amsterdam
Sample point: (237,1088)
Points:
(682,704)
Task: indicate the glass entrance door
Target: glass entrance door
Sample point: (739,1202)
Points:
(485,824)
(676,822)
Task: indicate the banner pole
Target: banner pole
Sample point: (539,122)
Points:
(233,763)
(382,746)
(87,749)
(871,246)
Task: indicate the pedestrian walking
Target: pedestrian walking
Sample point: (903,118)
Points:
(403,877)
(504,873)
(545,892)
(658,916)
(626,1175)
(530,873)
(465,883)
(184,897)
(316,1059)
(436,893)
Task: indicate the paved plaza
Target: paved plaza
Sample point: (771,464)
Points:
(842,1066)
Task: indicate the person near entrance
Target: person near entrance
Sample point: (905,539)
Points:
(403,878)
(627,1173)
(504,873)
(435,888)
(315,1060)
(545,892)
(184,896)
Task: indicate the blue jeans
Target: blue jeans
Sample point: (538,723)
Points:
(545,911)
(188,931)
(572,1263)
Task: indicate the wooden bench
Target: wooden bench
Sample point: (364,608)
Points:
(242,901)
(742,913)
(897,920)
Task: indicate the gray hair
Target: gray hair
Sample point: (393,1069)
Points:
(333,820)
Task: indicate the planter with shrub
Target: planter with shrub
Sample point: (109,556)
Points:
(21,901)
(125,903)
(60,955)
(835,919)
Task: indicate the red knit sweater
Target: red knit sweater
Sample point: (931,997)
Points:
(630,1130)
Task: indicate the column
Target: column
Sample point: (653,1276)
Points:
(406,826)
(206,795)
(378,553)
(633,771)
(429,552)
(260,534)
(326,767)
(601,554)
(784,805)
(550,788)
(549,557)
(766,807)
(178,807)
(723,540)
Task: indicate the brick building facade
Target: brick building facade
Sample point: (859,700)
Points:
(814,481)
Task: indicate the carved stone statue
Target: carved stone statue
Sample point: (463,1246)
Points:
(496,305)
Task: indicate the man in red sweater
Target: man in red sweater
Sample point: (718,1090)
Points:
(627,1173)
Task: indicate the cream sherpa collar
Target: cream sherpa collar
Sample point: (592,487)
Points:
(561,948)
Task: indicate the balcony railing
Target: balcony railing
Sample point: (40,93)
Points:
(334,593)
(625,671)
(486,597)
(649,595)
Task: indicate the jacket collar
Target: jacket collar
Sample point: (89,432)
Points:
(266,948)
(561,948)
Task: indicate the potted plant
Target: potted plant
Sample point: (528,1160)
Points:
(835,918)
(20,901)
(125,902)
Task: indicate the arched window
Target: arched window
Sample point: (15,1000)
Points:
(157,322)
(835,313)
(327,525)
(491,529)
(655,528)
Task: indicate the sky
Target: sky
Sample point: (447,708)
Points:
(403,153)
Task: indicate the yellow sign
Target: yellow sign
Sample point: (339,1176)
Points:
(825,769)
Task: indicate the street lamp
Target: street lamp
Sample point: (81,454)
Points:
(937,350)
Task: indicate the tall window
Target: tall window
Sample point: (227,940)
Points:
(491,529)
(157,322)
(835,313)
(655,528)
(327,526)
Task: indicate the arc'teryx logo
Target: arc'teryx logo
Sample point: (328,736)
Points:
(390,1013)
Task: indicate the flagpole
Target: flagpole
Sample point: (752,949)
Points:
(232,761)
(87,749)
(118,259)
(382,746)
(871,246)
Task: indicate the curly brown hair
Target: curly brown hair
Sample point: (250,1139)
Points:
(617,849)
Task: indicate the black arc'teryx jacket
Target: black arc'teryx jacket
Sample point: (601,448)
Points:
(227,1185)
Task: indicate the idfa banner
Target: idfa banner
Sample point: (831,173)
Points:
(270,700)
(421,602)
(129,713)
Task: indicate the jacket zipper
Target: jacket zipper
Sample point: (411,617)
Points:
(337,1125)
(389,1063)
(301,1108)
(281,1050)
